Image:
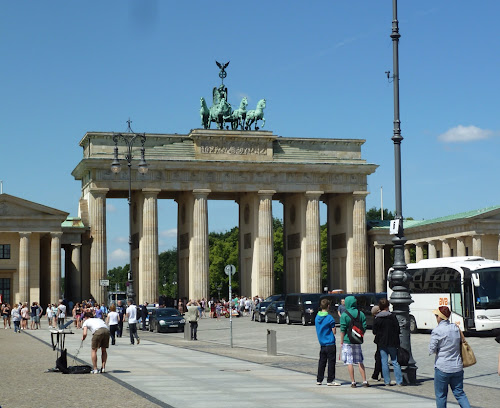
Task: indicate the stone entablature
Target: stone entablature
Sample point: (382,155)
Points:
(264,161)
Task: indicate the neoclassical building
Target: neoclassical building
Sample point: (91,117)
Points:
(253,168)
(31,238)
(474,233)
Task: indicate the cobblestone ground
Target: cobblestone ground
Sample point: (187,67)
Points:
(26,384)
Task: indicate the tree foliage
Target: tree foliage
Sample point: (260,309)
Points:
(118,276)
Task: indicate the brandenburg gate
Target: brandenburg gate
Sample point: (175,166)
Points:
(253,168)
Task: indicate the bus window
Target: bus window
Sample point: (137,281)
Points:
(488,292)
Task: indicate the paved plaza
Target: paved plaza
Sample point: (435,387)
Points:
(167,371)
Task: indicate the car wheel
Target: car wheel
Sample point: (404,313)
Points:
(287,319)
(278,318)
(413,325)
(304,323)
(266,319)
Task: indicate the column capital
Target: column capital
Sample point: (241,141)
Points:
(266,193)
(151,191)
(201,192)
(95,191)
(24,234)
(314,195)
(378,245)
(56,234)
(360,194)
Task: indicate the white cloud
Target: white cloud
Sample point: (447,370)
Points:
(170,233)
(121,240)
(119,255)
(465,134)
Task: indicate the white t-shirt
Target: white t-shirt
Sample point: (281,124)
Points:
(113,318)
(94,324)
(132,314)
(61,311)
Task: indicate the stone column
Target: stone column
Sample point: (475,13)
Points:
(148,254)
(461,246)
(477,249)
(432,251)
(407,254)
(24,266)
(198,259)
(98,260)
(55,267)
(419,251)
(76,270)
(380,285)
(445,244)
(359,261)
(266,253)
(312,273)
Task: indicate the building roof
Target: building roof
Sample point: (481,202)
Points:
(384,224)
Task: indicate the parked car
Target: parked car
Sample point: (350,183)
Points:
(166,319)
(275,312)
(272,298)
(301,308)
(365,302)
(260,311)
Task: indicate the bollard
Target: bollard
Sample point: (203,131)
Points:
(187,331)
(272,350)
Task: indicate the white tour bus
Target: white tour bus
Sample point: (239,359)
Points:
(468,285)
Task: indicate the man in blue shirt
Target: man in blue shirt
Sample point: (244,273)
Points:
(325,329)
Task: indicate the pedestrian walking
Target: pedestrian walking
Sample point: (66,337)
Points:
(192,316)
(100,339)
(112,321)
(352,353)
(325,330)
(121,312)
(132,321)
(386,331)
(16,318)
(144,315)
(6,311)
(341,308)
(378,365)
(448,368)
(61,314)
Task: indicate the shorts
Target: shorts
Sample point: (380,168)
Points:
(100,338)
(352,353)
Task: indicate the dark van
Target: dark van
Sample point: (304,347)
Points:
(301,308)
(365,302)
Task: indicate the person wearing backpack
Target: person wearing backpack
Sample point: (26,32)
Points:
(386,331)
(352,329)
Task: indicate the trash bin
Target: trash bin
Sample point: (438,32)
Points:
(271,343)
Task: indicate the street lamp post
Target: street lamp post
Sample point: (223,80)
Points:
(129,139)
(399,279)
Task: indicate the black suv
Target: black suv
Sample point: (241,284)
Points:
(301,308)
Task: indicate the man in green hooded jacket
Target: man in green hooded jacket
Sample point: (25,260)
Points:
(352,353)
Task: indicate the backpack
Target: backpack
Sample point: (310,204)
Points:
(355,331)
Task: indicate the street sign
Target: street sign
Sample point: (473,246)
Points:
(230,269)
(104,282)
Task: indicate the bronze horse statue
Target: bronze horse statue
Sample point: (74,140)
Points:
(255,115)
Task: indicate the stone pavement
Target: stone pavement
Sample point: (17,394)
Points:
(167,371)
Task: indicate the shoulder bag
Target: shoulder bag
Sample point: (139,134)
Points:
(468,357)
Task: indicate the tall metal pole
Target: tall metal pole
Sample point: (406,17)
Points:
(129,139)
(399,279)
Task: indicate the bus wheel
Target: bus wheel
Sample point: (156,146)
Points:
(413,325)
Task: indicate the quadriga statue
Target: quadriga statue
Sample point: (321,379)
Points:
(254,115)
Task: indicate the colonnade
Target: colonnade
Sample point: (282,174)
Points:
(302,242)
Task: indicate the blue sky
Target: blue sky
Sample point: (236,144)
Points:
(72,67)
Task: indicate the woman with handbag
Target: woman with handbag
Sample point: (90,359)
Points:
(448,367)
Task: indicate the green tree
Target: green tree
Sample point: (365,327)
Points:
(374,214)
(168,281)
(279,271)
(223,251)
(118,276)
